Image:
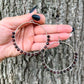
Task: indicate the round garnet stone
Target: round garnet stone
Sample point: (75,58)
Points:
(21,51)
(25,53)
(13,33)
(48,36)
(47,43)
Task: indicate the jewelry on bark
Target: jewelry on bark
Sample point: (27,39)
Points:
(63,70)
(28,53)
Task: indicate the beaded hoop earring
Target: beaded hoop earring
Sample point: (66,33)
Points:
(28,53)
(63,70)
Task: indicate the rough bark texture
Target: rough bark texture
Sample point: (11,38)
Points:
(24,70)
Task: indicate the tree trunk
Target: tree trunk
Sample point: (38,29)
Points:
(24,70)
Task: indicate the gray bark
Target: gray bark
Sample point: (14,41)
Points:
(24,70)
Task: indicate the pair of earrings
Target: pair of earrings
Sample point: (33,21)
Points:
(43,51)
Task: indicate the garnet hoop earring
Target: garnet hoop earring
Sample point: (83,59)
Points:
(28,53)
(63,70)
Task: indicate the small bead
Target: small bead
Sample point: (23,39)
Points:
(28,54)
(48,36)
(64,71)
(43,63)
(25,53)
(60,42)
(73,65)
(57,16)
(76,53)
(32,54)
(48,39)
(57,72)
(75,56)
(74,62)
(21,51)
(67,69)
(42,60)
(45,67)
(70,67)
(73,29)
(42,50)
(51,71)
(16,46)
(45,47)
(13,36)
(61,72)
(13,33)
(47,43)
(54,72)
(18,49)
(39,52)
(75,59)
(13,40)
(53,15)
(36,54)
(14,43)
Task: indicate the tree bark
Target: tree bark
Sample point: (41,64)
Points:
(24,70)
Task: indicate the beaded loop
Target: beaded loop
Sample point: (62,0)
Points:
(22,51)
(63,70)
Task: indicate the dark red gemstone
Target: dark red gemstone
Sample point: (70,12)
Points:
(48,39)
(13,33)
(51,71)
(25,53)
(45,46)
(42,50)
(21,51)
(47,43)
(32,54)
(74,62)
(43,63)
(73,65)
(36,54)
(75,56)
(16,46)
(28,54)
(18,49)
(57,16)
(76,53)
(13,40)
(39,52)
(14,43)
(68,69)
(64,71)
(54,72)
(13,36)
(48,36)
(61,72)
(45,67)
(60,42)
(57,72)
